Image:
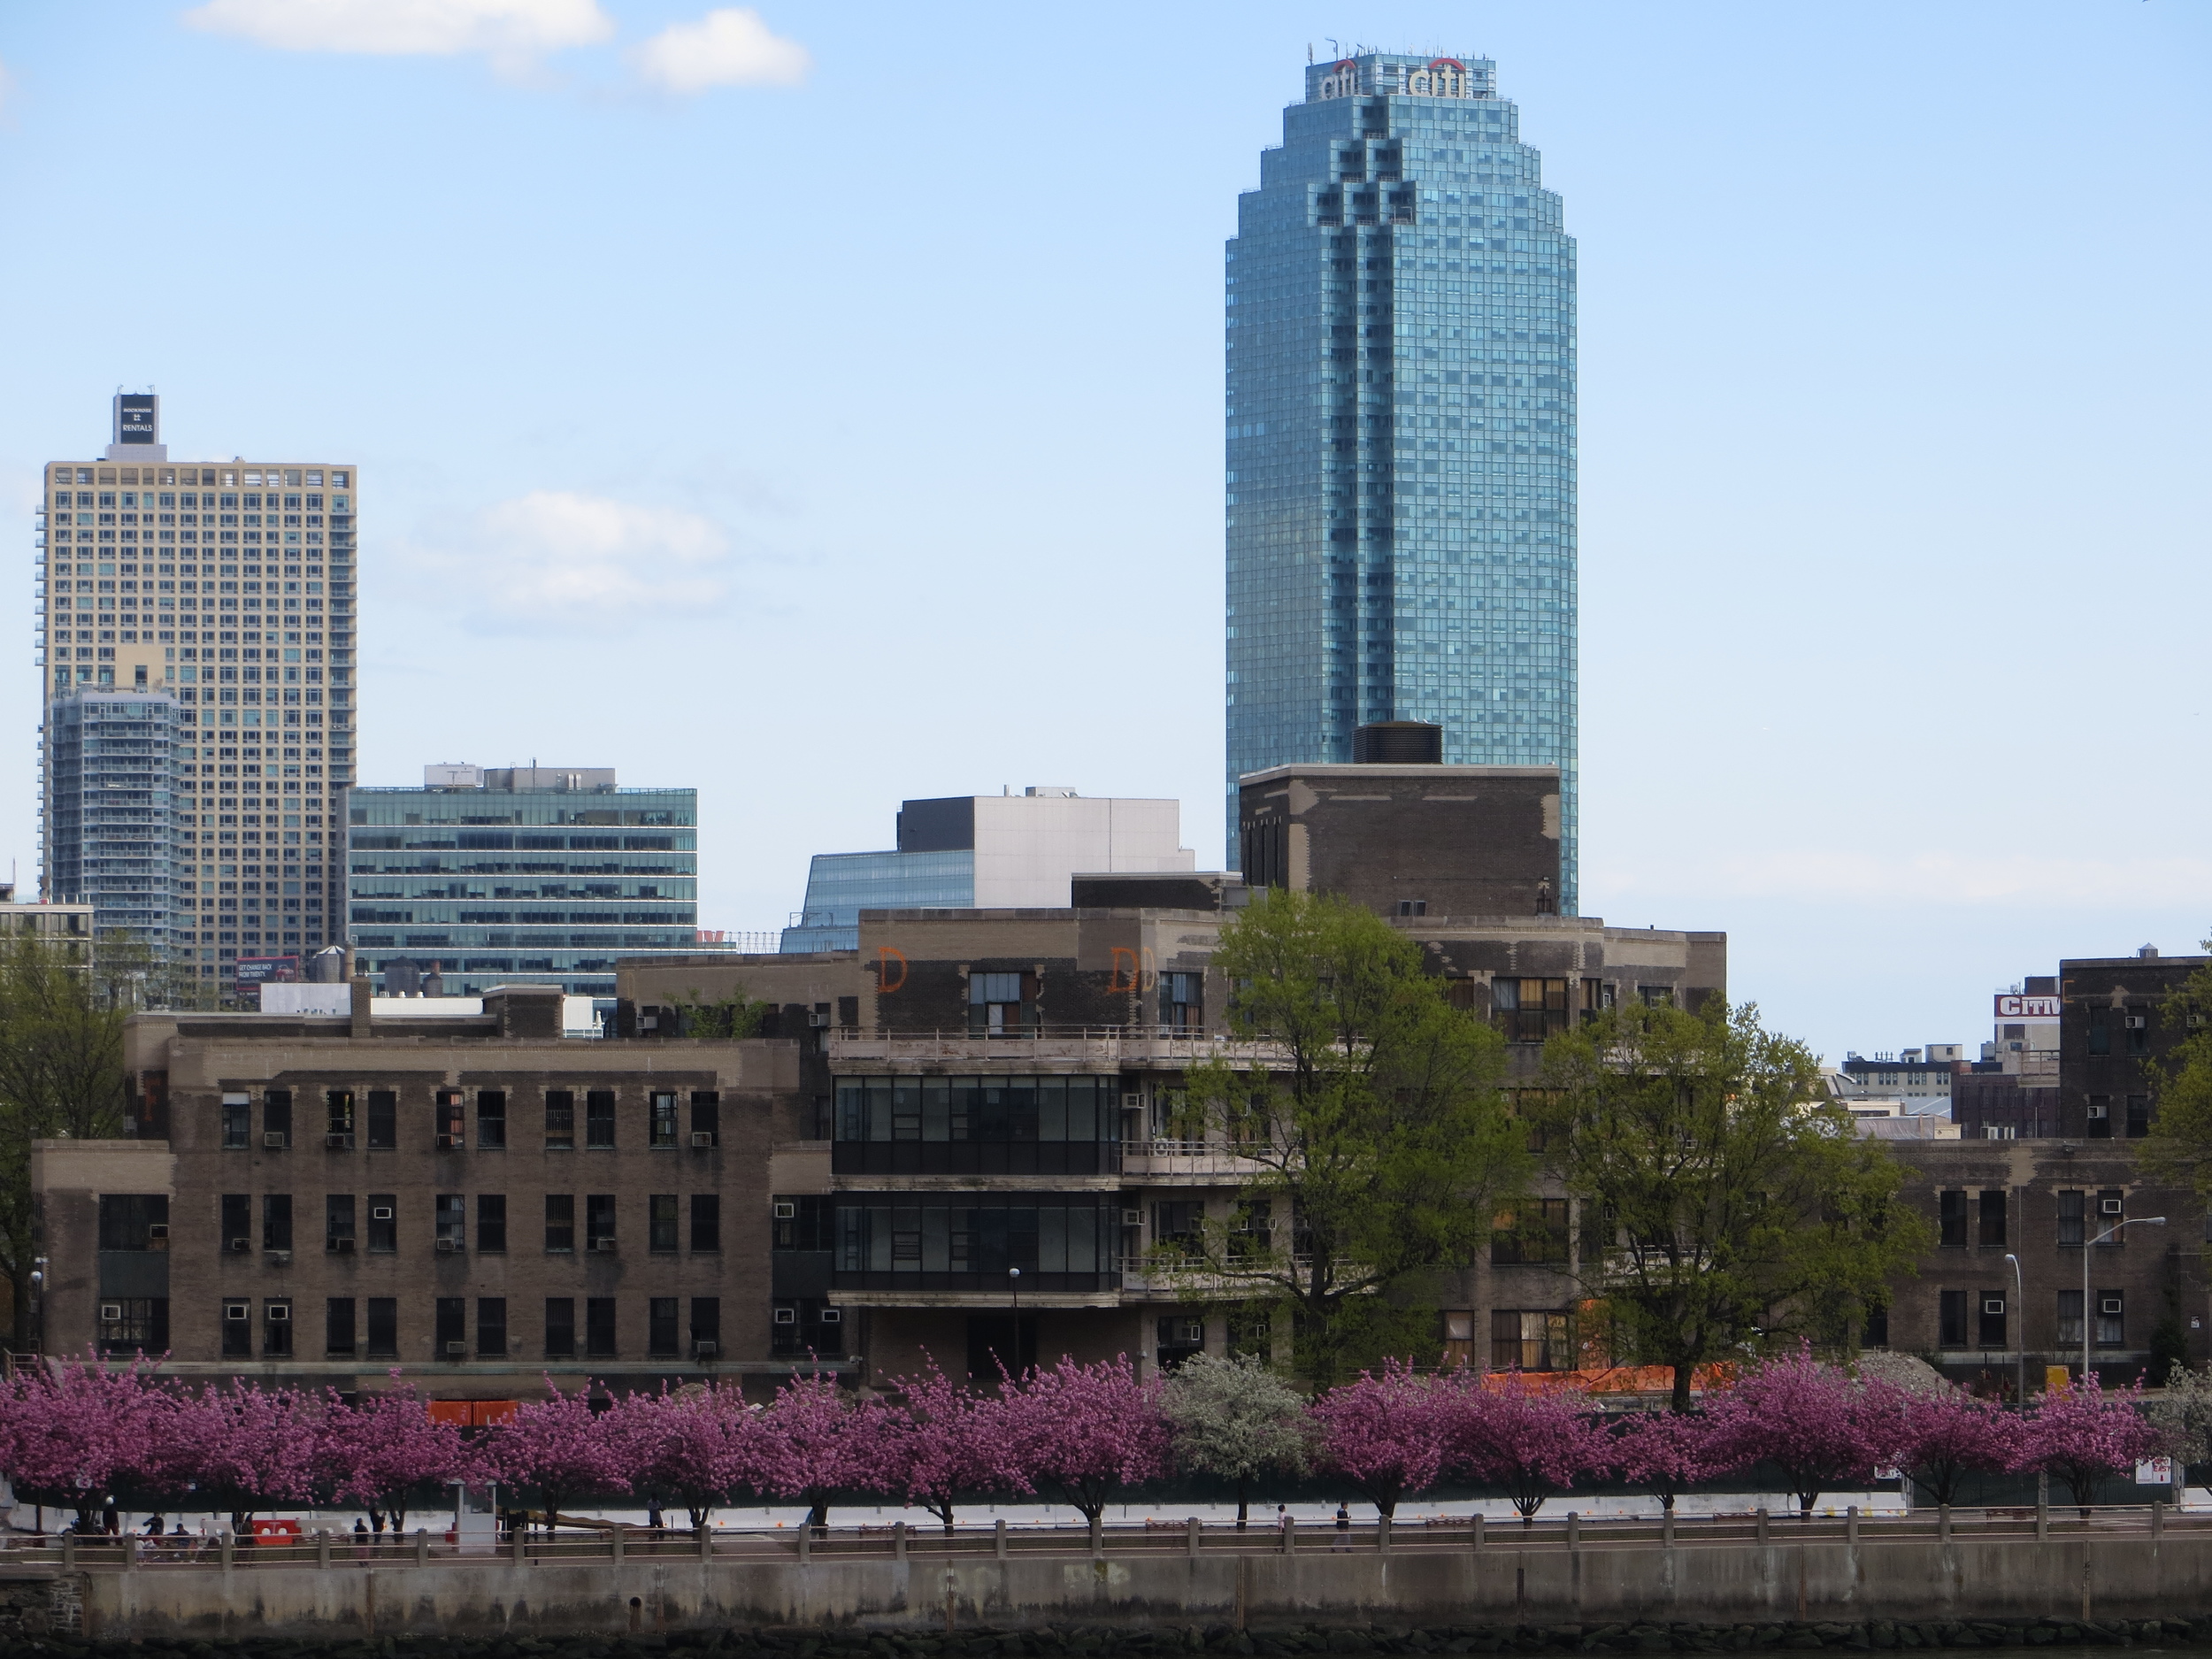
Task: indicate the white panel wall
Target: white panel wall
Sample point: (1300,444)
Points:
(1026,846)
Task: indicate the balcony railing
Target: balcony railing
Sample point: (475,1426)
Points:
(1081,1043)
(1185,1158)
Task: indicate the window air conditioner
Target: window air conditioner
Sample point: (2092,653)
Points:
(833,1316)
(603,1244)
(702,1138)
(446,1246)
(280,1312)
(111,1312)
(787,1316)
(282,1258)
(2112,1206)
(1133,1217)
(274,1139)
(2096,1109)
(705,1350)
(1992,1304)
(242,1245)
(381,1212)
(786,1212)
(338,1142)
(343,1246)
(817,1022)
(2110,1304)
(1133,1100)
(158,1230)
(235,1310)
(2138,1022)
(457,1350)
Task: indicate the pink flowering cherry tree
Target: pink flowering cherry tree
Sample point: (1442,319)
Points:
(256,1447)
(1940,1438)
(2082,1435)
(384,1447)
(1530,1441)
(946,1441)
(817,1440)
(1083,1432)
(1665,1453)
(557,1448)
(1384,1433)
(69,1433)
(690,1447)
(1809,1420)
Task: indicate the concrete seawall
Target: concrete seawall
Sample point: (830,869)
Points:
(2100,1576)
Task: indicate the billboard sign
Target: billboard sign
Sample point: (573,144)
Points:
(268,970)
(135,418)
(2027,1007)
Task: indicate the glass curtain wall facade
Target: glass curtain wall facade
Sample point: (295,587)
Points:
(1401,449)
(536,886)
(839,886)
(109,786)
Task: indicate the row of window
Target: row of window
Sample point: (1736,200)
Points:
(2083,1217)
(372,1119)
(368,1327)
(343,1231)
(1979,1319)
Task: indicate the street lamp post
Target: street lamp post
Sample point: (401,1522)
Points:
(1014,1279)
(2147,1221)
(2019,1332)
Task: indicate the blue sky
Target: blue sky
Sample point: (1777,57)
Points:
(859,369)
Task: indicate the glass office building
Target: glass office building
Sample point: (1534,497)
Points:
(110,794)
(522,876)
(839,886)
(1401,452)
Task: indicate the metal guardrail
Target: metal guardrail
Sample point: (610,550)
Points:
(899,1540)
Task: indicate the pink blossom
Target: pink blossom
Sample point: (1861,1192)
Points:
(948,1440)
(1507,1434)
(2082,1435)
(557,1448)
(68,1433)
(1386,1434)
(1664,1452)
(1809,1420)
(1082,1431)
(255,1446)
(1940,1438)
(690,1446)
(817,1440)
(383,1447)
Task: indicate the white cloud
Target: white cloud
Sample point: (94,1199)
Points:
(553,557)
(510,31)
(729,47)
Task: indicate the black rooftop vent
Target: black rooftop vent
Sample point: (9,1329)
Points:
(1398,743)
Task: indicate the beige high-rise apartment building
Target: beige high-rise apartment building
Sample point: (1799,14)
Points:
(195,646)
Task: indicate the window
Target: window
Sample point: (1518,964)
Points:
(383,1327)
(1182,1001)
(2099,1113)
(706,1115)
(491,1223)
(338,1119)
(1992,1331)
(662,1109)
(383,1123)
(599,1327)
(2069,1223)
(706,1222)
(1951,1319)
(2139,1028)
(660,1222)
(276,1221)
(2069,1319)
(1528,1011)
(237,1227)
(452,1327)
(338,1333)
(2111,1318)
(2138,1116)
(1534,1235)
(451,1214)
(560,1121)
(599,1118)
(660,1327)
(237,1330)
(803,1222)
(383,1224)
(804,1327)
(134,1221)
(560,1327)
(446,1116)
(1531,1339)
(338,1223)
(1992,1235)
(995,1005)
(237,1121)
(560,1222)
(1875,1334)
(1180,1223)
(1951,1220)
(133,1324)
(491,1327)
(276,1328)
(276,1118)
(1656,995)
(2099,1031)
(1413,907)
(706,1325)
(2112,1210)
(599,1221)
(491,1118)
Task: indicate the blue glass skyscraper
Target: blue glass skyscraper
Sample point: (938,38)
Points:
(1401,458)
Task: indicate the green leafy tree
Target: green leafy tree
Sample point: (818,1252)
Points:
(1369,1114)
(61,1074)
(1237,1419)
(734,1016)
(2179,1145)
(1729,1205)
